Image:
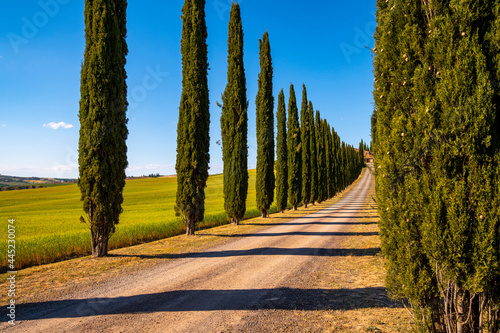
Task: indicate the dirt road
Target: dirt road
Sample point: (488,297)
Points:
(224,289)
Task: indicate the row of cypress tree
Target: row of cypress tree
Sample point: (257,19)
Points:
(319,169)
(436,140)
(339,166)
(103,131)
(313,164)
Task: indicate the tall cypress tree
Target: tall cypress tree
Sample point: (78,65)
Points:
(281,156)
(320,149)
(436,159)
(305,138)
(361,153)
(234,123)
(343,166)
(336,161)
(265,130)
(294,152)
(102,151)
(193,140)
(329,160)
(314,154)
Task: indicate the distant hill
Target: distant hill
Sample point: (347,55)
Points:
(8,183)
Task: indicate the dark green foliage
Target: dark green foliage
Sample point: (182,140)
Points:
(321,154)
(361,150)
(329,161)
(103,123)
(234,123)
(343,166)
(435,137)
(294,152)
(314,154)
(193,140)
(281,156)
(305,139)
(336,161)
(265,130)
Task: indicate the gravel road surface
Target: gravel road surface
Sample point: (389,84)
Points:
(223,289)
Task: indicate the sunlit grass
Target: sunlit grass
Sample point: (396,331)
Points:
(48,224)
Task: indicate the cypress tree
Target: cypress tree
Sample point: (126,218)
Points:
(305,137)
(102,150)
(320,148)
(314,155)
(361,153)
(401,215)
(294,152)
(334,172)
(343,166)
(265,130)
(329,160)
(460,249)
(436,159)
(193,140)
(234,123)
(335,164)
(281,156)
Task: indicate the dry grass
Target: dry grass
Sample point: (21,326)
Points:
(362,281)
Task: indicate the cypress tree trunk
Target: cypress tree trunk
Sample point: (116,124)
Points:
(265,130)
(305,133)
(102,150)
(234,124)
(294,152)
(281,156)
(193,140)
(190,226)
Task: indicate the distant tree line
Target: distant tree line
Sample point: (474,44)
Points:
(4,187)
(436,138)
(153,175)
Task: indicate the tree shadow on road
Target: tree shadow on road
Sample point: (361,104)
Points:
(212,300)
(329,217)
(261,251)
(297,233)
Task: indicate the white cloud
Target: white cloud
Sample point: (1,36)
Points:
(149,167)
(56,170)
(138,170)
(3,125)
(55,126)
(61,170)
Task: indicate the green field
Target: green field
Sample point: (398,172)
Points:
(48,227)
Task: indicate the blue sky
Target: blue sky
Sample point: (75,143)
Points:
(320,43)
